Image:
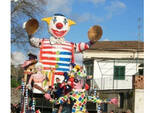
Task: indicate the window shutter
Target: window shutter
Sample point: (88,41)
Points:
(122,72)
(119,72)
(116,72)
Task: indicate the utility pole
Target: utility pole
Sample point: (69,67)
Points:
(138,40)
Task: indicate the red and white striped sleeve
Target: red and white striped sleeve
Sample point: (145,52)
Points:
(79,47)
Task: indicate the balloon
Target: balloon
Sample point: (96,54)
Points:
(114,101)
(80,112)
(87,86)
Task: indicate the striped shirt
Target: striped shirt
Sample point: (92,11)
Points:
(57,56)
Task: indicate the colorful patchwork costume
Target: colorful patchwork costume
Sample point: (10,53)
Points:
(80,99)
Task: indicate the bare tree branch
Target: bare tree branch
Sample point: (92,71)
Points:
(19,11)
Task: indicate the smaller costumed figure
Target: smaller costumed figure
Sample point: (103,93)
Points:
(38,79)
(37,88)
(28,67)
(78,94)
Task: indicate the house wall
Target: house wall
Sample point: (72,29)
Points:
(112,54)
(103,71)
(139,101)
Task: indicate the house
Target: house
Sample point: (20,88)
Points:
(113,65)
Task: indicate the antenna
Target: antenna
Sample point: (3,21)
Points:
(139,28)
(138,41)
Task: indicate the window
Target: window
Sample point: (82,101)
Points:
(121,100)
(141,69)
(119,72)
(104,107)
(89,69)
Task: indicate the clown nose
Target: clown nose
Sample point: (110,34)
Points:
(59,25)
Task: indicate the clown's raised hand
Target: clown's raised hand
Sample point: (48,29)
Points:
(95,33)
(31,26)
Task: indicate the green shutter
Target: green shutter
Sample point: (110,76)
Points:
(115,72)
(119,72)
(122,72)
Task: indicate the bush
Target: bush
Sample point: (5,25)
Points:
(14,83)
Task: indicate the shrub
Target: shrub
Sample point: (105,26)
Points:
(14,83)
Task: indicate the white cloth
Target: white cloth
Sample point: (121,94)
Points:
(54,40)
(36,90)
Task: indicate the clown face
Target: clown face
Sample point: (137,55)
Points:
(38,67)
(58,25)
(78,83)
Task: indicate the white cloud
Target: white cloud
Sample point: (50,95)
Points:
(55,6)
(115,7)
(83,18)
(106,39)
(79,59)
(17,58)
(86,17)
(65,7)
(94,1)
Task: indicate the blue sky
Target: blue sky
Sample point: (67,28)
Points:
(118,18)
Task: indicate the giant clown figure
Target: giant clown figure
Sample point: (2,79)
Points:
(56,53)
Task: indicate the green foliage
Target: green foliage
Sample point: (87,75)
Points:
(16,76)
(14,83)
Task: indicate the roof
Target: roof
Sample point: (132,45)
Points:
(118,45)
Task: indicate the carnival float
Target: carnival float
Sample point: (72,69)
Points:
(54,74)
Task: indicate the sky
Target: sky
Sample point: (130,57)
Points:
(118,19)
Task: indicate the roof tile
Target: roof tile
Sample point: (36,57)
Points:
(118,45)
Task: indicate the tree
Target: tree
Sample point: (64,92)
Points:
(21,11)
(16,75)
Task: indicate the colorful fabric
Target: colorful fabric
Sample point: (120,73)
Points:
(79,47)
(57,56)
(80,99)
(51,77)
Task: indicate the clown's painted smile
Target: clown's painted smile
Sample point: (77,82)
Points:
(58,33)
